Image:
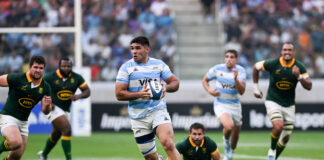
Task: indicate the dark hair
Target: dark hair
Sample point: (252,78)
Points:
(37,59)
(232,51)
(64,59)
(197,126)
(290,43)
(141,40)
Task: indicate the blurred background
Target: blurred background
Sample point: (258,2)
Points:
(188,35)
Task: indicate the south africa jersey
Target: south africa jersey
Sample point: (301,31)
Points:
(23,95)
(191,151)
(225,83)
(136,75)
(62,88)
(282,83)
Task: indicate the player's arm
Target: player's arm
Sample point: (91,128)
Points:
(303,78)
(172,84)
(205,83)
(215,155)
(46,104)
(85,93)
(256,68)
(122,94)
(240,85)
(3,80)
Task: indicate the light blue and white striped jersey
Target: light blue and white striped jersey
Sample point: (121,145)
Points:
(225,83)
(136,76)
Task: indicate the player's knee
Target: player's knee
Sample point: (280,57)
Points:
(66,132)
(15,144)
(167,143)
(278,126)
(229,127)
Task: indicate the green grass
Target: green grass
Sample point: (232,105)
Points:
(303,145)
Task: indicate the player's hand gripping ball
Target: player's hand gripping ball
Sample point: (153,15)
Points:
(156,89)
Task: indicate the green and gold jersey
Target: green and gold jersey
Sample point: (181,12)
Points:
(191,151)
(282,83)
(23,95)
(62,88)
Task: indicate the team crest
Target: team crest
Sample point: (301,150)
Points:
(57,82)
(40,91)
(24,88)
(72,80)
(204,150)
(135,69)
(278,71)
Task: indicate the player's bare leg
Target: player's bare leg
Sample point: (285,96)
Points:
(228,125)
(165,134)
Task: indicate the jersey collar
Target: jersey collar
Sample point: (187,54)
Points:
(30,79)
(283,64)
(60,75)
(194,145)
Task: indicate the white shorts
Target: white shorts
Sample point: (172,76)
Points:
(144,126)
(57,112)
(233,110)
(287,113)
(6,121)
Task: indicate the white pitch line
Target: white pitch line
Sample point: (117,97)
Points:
(242,156)
(290,145)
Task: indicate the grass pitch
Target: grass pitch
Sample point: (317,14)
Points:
(122,146)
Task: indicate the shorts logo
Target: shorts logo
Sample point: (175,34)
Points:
(26,102)
(284,85)
(64,95)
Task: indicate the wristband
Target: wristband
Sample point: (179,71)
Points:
(300,77)
(256,89)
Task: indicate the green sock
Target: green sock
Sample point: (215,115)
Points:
(48,147)
(4,146)
(66,144)
(274,141)
(279,149)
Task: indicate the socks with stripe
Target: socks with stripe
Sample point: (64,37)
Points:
(274,141)
(49,146)
(279,149)
(66,144)
(4,146)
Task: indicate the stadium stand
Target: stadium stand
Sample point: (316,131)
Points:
(108,27)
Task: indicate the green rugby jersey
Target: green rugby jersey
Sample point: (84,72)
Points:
(63,89)
(22,97)
(282,83)
(191,151)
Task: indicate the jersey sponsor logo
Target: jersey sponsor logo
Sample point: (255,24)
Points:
(284,85)
(228,86)
(26,102)
(144,81)
(64,95)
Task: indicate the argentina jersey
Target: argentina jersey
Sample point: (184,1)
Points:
(225,83)
(136,75)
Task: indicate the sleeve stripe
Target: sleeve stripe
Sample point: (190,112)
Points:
(214,151)
(6,78)
(83,84)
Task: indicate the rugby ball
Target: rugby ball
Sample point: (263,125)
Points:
(156,89)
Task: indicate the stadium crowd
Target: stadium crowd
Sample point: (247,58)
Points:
(257,28)
(108,27)
(254,28)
